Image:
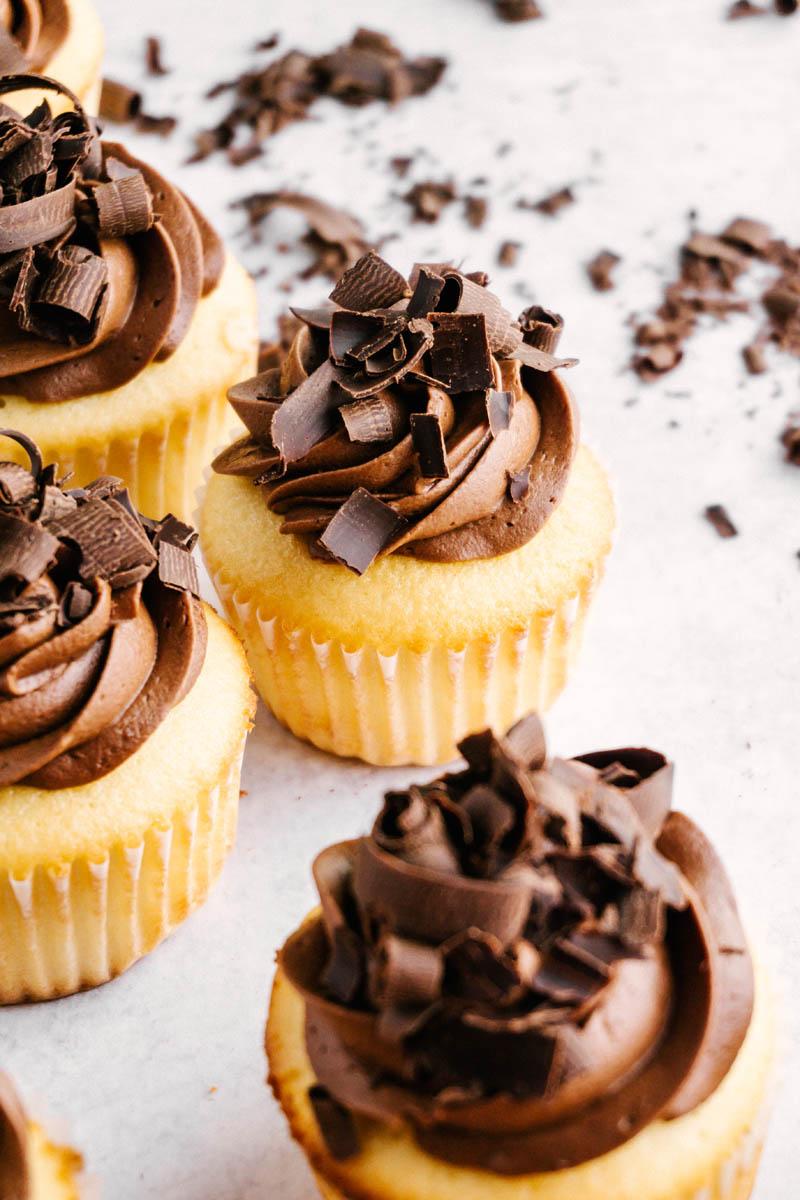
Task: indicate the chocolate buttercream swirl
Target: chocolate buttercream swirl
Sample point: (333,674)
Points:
(409,417)
(101,629)
(102,261)
(31,31)
(527,961)
(15,1167)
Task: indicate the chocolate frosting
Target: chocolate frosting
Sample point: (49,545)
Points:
(527,961)
(410,417)
(15,1170)
(102,261)
(31,31)
(101,629)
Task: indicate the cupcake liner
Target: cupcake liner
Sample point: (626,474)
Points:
(162,465)
(78,924)
(407,706)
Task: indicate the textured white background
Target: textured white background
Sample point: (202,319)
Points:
(649,109)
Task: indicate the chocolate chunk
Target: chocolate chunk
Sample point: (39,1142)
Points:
(517,10)
(719,518)
(335,1123)
(152,56)
(476,209)
(112,544)
(552,203)
(790,439)
(118,102)
(26,550)
(429,199)
(460,357)
(499,407)
(507,254)
(600,268)
(426,431)
(359,530)
(124,206)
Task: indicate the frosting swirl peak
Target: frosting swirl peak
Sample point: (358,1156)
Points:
(527,961)
(101,630)
(410,416)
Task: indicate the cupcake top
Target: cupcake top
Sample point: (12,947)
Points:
(410,416)
(101,630)
(31,31)
(528,960)
(102,261)
(15,1179)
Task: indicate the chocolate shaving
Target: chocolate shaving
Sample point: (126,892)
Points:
(429,199)
(517,10)
(550,204)
(460,357)
(719,518)
(790,439)
(370,283)
(176,568)
(360,530)
(124,206)
(426,432)
(26,550)
(499,406)
(335,1123)
(754,358)
(118,102)
(744,8)
(266,100)
(112,544)
(152,56)
(519,484)
(375,419)
(508,253)
(600,268)
(149,123)
(476,209)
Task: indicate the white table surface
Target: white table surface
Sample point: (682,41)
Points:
(648,109)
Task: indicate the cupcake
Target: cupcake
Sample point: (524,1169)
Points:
(530,982)
(124,705)
(122,320)
(417,556)
(59,38)
(31,1167)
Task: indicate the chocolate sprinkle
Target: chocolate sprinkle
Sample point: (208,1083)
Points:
(360,530)
(335,1123)
(719,518)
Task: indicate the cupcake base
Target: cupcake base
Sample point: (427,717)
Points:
(711,1153)
(398,665)
(159,431)
(92,878)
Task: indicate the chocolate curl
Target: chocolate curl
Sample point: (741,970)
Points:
(124,206)
(26,550)
(29,446)
(360,530)
(541,328)
(73,287)
(118,102)
(41,219)
(409,975)
(428,438)
(376,419)
(461,295)
(370,283)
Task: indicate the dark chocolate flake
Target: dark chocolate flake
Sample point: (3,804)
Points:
(790,439)
(499,407)
(429,199)
(460,358)
(153,60)
(426,432)
(550,204)
(515,11)
(600,268)
(370,283)
(719,518)
(360,530)
(507,254)
(519,484)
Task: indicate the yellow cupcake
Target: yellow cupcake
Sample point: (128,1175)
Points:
(529,982)
(426,534)
(130,380)
(62,39)
(124,705)
(31,1165)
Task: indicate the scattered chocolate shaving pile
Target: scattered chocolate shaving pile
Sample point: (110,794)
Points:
(709,270)
(551,204)
(429,199)
(152,55)
(600,268)
(719,518)
(791,441)
(477,210)
(507,254)
(517,10)
(335,238)
(370,67)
